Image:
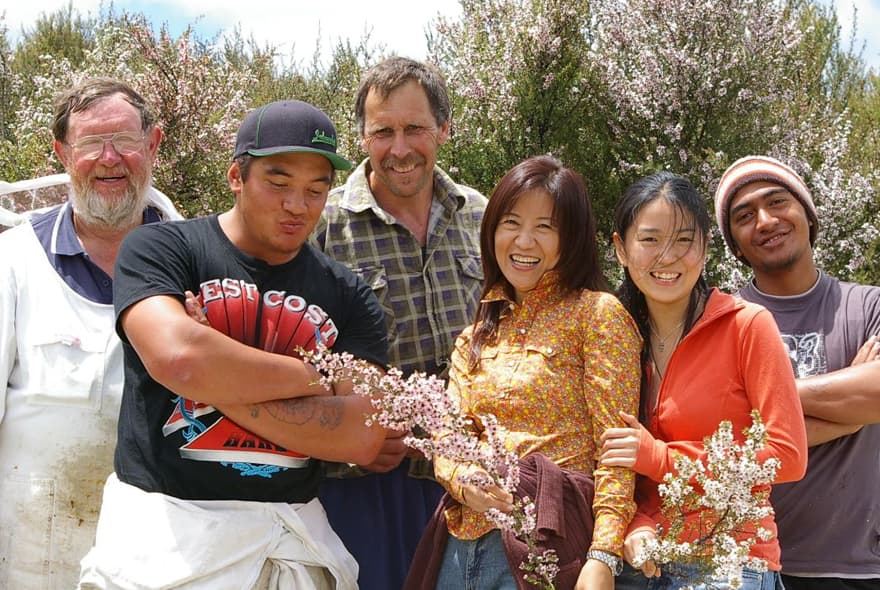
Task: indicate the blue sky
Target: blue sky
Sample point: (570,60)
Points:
(295,26)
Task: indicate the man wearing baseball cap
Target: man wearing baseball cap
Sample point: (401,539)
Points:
(829,522)
(221,432)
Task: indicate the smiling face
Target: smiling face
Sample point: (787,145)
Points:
(527,241)
(109,189)
(664,253)
(401,138)
(770,228)
(278,205)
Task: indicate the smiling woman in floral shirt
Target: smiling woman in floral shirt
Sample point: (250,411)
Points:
(554,357)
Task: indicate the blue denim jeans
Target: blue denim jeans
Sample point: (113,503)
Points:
(630,579)
(475,565)
(677,577)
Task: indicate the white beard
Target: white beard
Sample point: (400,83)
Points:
(110,213)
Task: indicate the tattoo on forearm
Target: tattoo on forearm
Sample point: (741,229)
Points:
(327,411)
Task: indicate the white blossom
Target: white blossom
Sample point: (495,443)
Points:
(730,493)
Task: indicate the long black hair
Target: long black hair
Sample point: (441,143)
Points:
(688,205)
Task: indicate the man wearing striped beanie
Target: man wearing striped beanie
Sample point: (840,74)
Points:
(829,522)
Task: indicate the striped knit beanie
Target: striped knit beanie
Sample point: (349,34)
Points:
(755,169)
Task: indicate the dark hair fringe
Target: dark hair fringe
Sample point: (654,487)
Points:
(578,265)
(679,191)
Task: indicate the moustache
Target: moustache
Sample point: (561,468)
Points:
(392,162)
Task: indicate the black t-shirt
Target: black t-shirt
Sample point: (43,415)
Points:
(171,445)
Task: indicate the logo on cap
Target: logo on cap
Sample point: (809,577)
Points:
(321,137)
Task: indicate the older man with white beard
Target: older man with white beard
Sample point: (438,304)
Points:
(60,358)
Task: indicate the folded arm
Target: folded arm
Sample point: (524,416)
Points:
(821,431)
(275,396)
(331,428)
(847,396)
(202,364)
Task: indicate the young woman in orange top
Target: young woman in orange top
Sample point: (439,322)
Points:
(708,357)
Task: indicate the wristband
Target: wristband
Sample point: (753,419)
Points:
(614,563)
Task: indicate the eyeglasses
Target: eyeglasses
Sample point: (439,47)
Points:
(126,143)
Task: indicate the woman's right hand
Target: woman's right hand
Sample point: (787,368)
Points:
(481,499)
(620,446)
(631,547)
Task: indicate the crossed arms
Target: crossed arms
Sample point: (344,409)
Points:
(272,395)
(841,402)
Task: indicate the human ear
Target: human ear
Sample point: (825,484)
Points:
(619,250)
(58,148)
(443,133)
(233,176)
(155,137)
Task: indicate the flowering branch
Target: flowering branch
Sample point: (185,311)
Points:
(420,403)
(731,494)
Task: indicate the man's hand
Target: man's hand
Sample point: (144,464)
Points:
(392,453)
(193,309)
(595,575)
(870,351)
(620,446)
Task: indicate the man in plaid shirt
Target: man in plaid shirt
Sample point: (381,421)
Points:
(413,234)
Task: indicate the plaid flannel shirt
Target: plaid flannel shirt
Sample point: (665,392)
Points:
(429,294)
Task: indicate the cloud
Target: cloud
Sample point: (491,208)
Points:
(293,28)
(18,14)
(867,21)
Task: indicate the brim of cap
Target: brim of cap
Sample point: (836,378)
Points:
(339,163)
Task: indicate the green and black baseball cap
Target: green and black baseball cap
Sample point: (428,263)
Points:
(287,126)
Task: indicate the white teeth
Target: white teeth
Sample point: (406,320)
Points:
(666,276)
(404,169)
(525,259)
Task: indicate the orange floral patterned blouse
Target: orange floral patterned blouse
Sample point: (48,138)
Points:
(561,369)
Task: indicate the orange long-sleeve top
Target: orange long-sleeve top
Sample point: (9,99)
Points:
(557,375)
(732,361)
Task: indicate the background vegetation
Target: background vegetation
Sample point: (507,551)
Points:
(617,89)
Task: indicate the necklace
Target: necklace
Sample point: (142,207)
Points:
(662,340)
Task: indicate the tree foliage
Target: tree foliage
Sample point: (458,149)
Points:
(616,88)
(685,86)
(515,71)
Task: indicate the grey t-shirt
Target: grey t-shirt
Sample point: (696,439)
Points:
(829,522)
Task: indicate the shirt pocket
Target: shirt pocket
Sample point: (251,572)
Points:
(483,375)
(470,265)
(536,365)
(472,269)
(543,357)
(375,277)
(65,368)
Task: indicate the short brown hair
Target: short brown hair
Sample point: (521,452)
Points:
(388,75)
(90,91)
